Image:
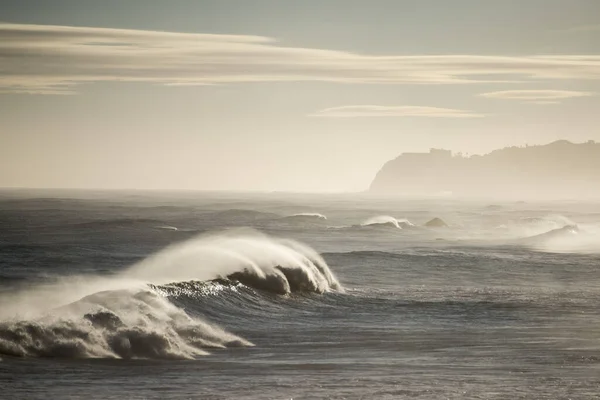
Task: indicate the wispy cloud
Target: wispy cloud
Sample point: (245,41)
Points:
(536,96)
(393,111)
(52,59)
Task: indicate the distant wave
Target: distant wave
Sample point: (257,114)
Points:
(533,226)
(308,216)
(556,233)
(386,220)
(300,219)
(127,223)
(132,316)
(121,222)
(241,216)
(567,239)
(167,227)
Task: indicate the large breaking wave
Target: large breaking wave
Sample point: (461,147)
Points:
(277,265)
(131,315)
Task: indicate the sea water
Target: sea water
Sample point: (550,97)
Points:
(244,296)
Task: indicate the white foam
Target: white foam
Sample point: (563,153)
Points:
(309,215)
(114,324)
(388,220)
(168,227)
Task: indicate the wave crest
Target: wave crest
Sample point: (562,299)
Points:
(386,220)
(532,226)
(308,215)
(276,265)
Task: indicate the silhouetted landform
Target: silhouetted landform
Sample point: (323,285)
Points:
(436,223)
(560,169)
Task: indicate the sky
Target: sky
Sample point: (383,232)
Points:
(271,95)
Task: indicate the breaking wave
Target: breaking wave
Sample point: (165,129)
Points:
(308,215)
(276,265)
(567,239)
(131,315)
(115,324)
(532,226)
(167,227)
(386,220)
(312,220)
(566,230)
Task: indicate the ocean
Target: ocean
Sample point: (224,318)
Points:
(185,295)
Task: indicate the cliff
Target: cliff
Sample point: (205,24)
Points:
(560,170)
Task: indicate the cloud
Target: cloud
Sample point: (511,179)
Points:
(53,59)
(536,96)
(393,111)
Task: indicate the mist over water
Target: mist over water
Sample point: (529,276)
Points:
(265,300)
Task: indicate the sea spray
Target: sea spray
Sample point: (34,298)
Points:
(115,324)
(257,260)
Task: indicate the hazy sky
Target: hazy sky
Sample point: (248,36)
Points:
(283,95)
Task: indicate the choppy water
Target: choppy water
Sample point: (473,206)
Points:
(163,295)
